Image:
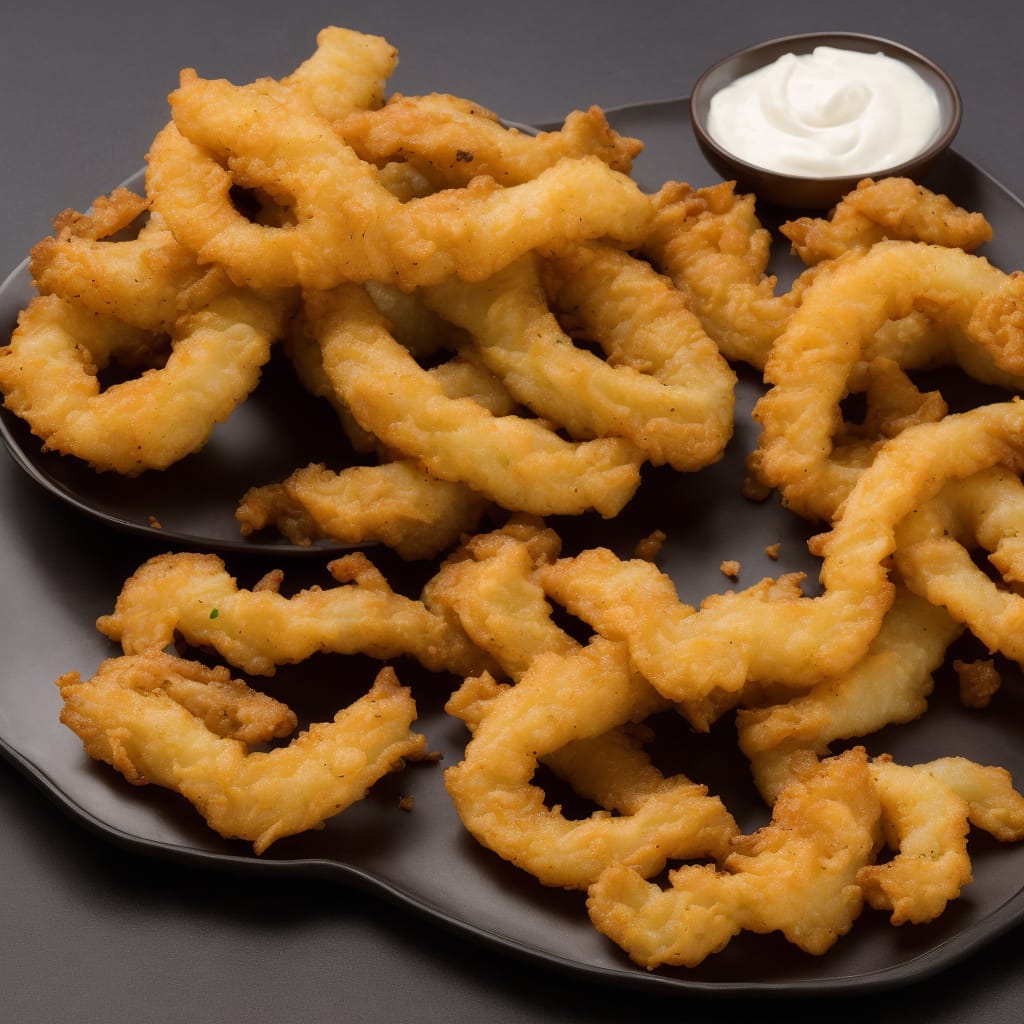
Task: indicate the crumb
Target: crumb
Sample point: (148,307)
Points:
(650,547)
(406,803)
(979,682)
(155,523)
(731,568)
(772,551)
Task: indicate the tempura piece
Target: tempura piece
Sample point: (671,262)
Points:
(192,594)
(563,698)
(676,406)
(347,226)
(796,875)
(49,377)
(890,685)
(890,208)
(516,462)
(452,140)
(395,503)
(130,715)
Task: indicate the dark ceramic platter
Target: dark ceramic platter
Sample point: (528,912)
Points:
(62,569)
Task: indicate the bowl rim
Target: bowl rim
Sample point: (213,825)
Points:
(782,44)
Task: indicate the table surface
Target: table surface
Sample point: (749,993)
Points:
(89,929)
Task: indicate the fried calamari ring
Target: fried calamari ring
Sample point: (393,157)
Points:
(890,685)
(562,698)
(130,715)
(395,503)
(890,208)
(519,463)
(49,378)
(347,226)
(193,595)
(810,365)
(671,393)
(452,140)
(935,555)
(147,281)
(773,880)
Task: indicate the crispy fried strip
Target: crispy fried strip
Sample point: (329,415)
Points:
(128,715)
(147,281)
(891,684)
(562,698)
(395,503)
(934,555)
(890,208)
(193,595)
(518,463)
(812,361)
(347,225)
(796,641)
(774,880)
(678,411)
(453,141)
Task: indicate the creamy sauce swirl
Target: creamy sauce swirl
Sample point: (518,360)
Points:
(827,113)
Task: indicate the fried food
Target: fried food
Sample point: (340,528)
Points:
(397,503)
(194,596)
(890,208)
(452,140)
(516,462)
(508,328)
(673,402)
(49,377)
(811,362)
(131,714)
(772,880)
(346,226)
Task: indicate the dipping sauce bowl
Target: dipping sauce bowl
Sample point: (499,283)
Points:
(809,191)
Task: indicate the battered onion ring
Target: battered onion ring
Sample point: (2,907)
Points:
(890,208)
(672,397)
(934,556)
(48,375)
(811,362)
(347,225)
(774,880)
(520,464)
(193,595)
(890,685)
(793,641)
(452,140)
(128,715)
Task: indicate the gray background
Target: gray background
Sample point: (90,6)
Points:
(91,933)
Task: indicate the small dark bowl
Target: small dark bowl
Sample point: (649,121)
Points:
(816,193)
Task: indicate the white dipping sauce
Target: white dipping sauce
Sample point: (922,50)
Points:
(827,113)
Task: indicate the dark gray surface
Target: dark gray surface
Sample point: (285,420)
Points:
(90,931)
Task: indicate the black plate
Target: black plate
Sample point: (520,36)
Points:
(61,570)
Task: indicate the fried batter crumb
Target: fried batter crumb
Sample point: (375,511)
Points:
(155,523)
(979,682)
(731,568)
(406,803)
(772,551)
(650,547)
(754,490)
